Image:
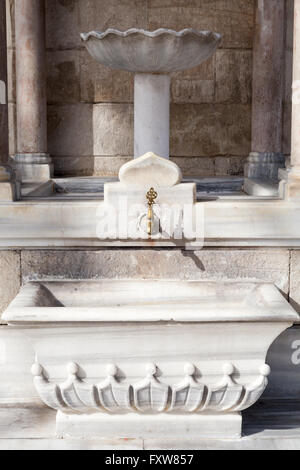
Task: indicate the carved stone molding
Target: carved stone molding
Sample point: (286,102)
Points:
(150,395)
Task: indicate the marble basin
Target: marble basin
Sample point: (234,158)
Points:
(161,51)
(140,359)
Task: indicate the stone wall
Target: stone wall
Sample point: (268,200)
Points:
(90,111)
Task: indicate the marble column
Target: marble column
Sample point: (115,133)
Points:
(268,85)
(7,184)
(32,158)
(290,185)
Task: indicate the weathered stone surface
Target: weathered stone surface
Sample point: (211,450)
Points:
(73,166)
(196,130)
(63,77)
(113,129)
(12,127)
(245,265)
(106,167)
(196,85)
(102,84)
(233,19)
(231,166)
(195,166)
(289,18)
(63,27)
(11,75)
(109,167)
(9,277)
(233,76)
(268,76)
(287,128)
(10,22)
(295,280)
(70,130)
(206,130)
(112,14)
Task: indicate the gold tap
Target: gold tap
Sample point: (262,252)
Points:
(151,197)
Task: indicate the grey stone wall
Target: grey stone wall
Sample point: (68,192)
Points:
(281,267)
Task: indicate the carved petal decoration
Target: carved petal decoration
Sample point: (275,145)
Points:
(188,395)
(113,396)
(254,391)
(226,395)
(150,394)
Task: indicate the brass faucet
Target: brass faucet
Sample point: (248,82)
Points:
(151,197)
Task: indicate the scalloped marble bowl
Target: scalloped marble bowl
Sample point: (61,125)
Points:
(162,51)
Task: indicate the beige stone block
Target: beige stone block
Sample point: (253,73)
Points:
(11,75)
(209,130)
(113,129)
(63,77)
(196,85)
(233,18)
(287,128)
(70,130)
(73,166)
(7,192)
(289,18)
(122,15)
(245,7)
(193,91)
(295,280)
(196,167)
(181,14)
(233,76)
(12,128)
(10,278)
(244,265)
(288,76)
(10,23)
(230,166)
(105,167)
(62,24)
(102,84)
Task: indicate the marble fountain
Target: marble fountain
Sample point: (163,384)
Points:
(141,359)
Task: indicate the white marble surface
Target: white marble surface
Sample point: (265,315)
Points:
(233,221)
(207,340)
(160,51)
(29,429)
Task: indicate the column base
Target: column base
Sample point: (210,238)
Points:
(264,165)
(34,167)
(138,426)
(9,186)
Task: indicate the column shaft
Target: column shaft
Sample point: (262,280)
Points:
(268,81)
(32,157)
